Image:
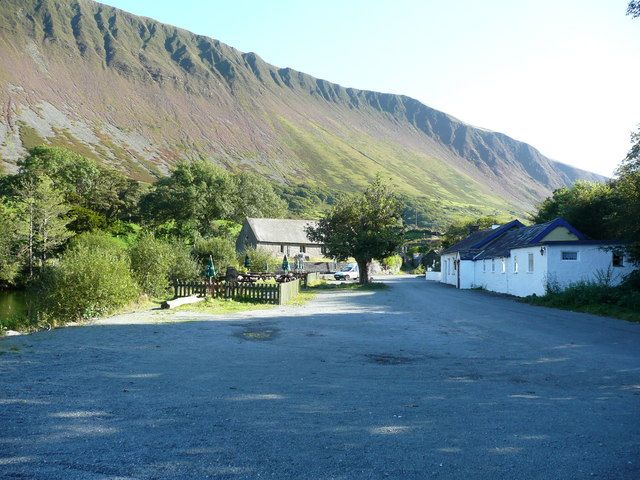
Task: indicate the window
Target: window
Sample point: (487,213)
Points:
(569,255)
(515,264)
(504,265)
(493,265)
(618,259)
(303,249)
(530,263)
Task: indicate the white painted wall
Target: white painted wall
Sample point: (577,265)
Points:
(547,266)
(486,277)
(447,269)
(592,261)
(525,282)
(466,273)
(433,276)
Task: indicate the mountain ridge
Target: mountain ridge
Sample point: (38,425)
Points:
(140,94)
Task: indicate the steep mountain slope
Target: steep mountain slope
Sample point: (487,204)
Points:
(140,95)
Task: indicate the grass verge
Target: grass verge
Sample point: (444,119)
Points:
(604,300)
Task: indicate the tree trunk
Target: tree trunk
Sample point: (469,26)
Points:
(363,268)
(31,233)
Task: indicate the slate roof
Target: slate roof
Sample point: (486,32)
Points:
(523,237)
(493,243)
(281,230)
(470,246)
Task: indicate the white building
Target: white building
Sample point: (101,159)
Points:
(521,261)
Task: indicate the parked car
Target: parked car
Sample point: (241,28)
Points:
(350,272)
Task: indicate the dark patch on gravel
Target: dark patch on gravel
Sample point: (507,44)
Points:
(258,333)
(385,359)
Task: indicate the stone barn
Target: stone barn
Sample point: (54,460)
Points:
(280,236)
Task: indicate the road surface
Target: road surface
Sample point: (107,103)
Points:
(416,381)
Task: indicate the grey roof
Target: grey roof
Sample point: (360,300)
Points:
(281,230)
(498,242)
(470,246)
(523,237)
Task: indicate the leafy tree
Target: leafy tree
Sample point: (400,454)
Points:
(625,219)
(365,226)
(42,223)
(580,204)
(10,257)
(254,196)
(193,196)
(86,220)
(221,249)
(460,228)
(82,182)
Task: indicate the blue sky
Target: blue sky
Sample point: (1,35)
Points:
(559,74)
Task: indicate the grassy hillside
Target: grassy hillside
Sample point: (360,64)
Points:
(139,95)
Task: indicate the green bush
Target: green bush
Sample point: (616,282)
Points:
(151,263)
(392,263)
(183,265)
(419,270)
(91,278)
(262,260)
(222,250)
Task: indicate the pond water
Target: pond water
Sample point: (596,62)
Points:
(14,307)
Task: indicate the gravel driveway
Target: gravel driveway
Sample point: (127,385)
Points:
(417,381)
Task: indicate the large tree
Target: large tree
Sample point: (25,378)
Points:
(193,196)
(42,219)
(580,204)
(254,197)
(364,226)
(625,218)
(83,183)
(10,246)
(198,193)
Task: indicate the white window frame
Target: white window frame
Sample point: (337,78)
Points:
(530,263)
(569,259)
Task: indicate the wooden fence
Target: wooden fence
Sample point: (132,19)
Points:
(274,293)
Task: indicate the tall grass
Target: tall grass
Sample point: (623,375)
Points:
(598,297)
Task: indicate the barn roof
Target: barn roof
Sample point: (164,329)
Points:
(281,230)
